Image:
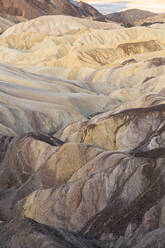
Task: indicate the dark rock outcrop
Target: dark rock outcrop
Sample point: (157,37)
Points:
(129,17)
(150,20)
(89,9)
(133,180)
(35,8)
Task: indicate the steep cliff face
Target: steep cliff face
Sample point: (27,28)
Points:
(34,8)
(89,9)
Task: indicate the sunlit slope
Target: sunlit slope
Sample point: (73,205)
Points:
(48,42)
(107,63)
(58,25)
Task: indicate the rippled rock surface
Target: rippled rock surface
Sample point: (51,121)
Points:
(82,135)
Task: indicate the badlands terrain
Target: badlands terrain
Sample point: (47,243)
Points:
(82,128)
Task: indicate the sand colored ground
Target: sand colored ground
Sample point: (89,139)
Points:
(47,42)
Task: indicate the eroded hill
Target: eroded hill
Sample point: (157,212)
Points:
(130,17)
(82,135)
(35,8)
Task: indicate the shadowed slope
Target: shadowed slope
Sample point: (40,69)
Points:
(35,8)
(130,17)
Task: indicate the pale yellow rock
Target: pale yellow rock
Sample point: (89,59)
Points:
(58,25)
(110,66)
(89,47)
(68,160)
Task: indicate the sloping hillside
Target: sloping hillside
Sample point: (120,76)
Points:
(130,17)
(82,135)
(35,8)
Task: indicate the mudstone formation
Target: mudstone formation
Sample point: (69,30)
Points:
(82,129)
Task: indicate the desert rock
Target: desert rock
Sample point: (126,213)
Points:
(35,8)
(82,134)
